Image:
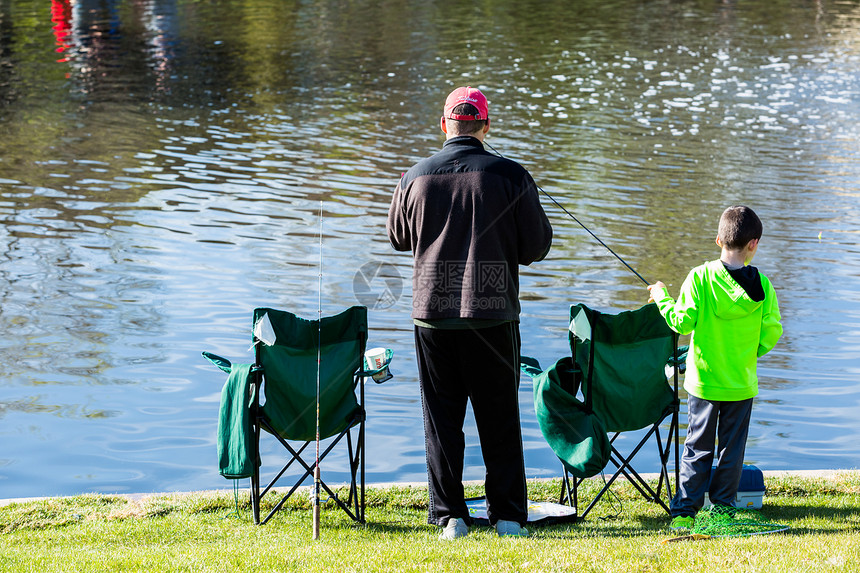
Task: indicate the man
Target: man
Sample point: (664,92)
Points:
(470,219)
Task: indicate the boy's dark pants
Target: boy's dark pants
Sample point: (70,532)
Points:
(708,422)
(481,366)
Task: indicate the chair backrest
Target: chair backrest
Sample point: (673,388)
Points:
(623,359)
(290,369)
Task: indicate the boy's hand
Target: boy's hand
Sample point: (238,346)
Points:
(658,284)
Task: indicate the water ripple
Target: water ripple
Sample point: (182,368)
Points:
(151,198)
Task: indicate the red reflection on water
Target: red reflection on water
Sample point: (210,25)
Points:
(61,16)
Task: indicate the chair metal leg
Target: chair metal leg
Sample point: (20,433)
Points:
(255,416)
(354,504)
(255,496)
(361,445)
(353,497)
(569,492)
(255,477)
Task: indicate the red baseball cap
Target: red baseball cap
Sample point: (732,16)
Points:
(467,95)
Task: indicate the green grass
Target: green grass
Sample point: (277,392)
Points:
(200,532)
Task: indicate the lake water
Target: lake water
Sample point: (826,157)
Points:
(162,166)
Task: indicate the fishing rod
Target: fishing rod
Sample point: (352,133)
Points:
(316,502)
(569,214)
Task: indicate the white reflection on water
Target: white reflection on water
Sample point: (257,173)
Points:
(128,253)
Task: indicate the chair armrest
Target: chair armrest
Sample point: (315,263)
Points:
(218,361)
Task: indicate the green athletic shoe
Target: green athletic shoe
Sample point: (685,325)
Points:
(682,522)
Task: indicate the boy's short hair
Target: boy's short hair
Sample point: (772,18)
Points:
(460,127)
(738,226)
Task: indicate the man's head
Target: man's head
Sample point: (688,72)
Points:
(738,226)
(466,113)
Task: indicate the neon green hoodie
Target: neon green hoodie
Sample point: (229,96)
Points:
(730,331)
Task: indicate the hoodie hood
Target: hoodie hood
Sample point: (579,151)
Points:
(730,299)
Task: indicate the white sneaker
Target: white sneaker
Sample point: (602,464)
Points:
(455,529)
(510,528)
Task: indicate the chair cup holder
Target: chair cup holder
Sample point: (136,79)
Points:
(381,373)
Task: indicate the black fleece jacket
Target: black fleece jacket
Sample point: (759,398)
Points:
(470,219)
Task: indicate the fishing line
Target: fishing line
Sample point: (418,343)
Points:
(316,524)
(569,214)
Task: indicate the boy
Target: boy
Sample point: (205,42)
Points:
(732,312)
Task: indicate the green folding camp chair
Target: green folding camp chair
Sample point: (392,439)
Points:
(278,393)
(286,376)
(618,365)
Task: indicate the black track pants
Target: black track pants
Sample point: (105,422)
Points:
(720,425)
(480,365)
